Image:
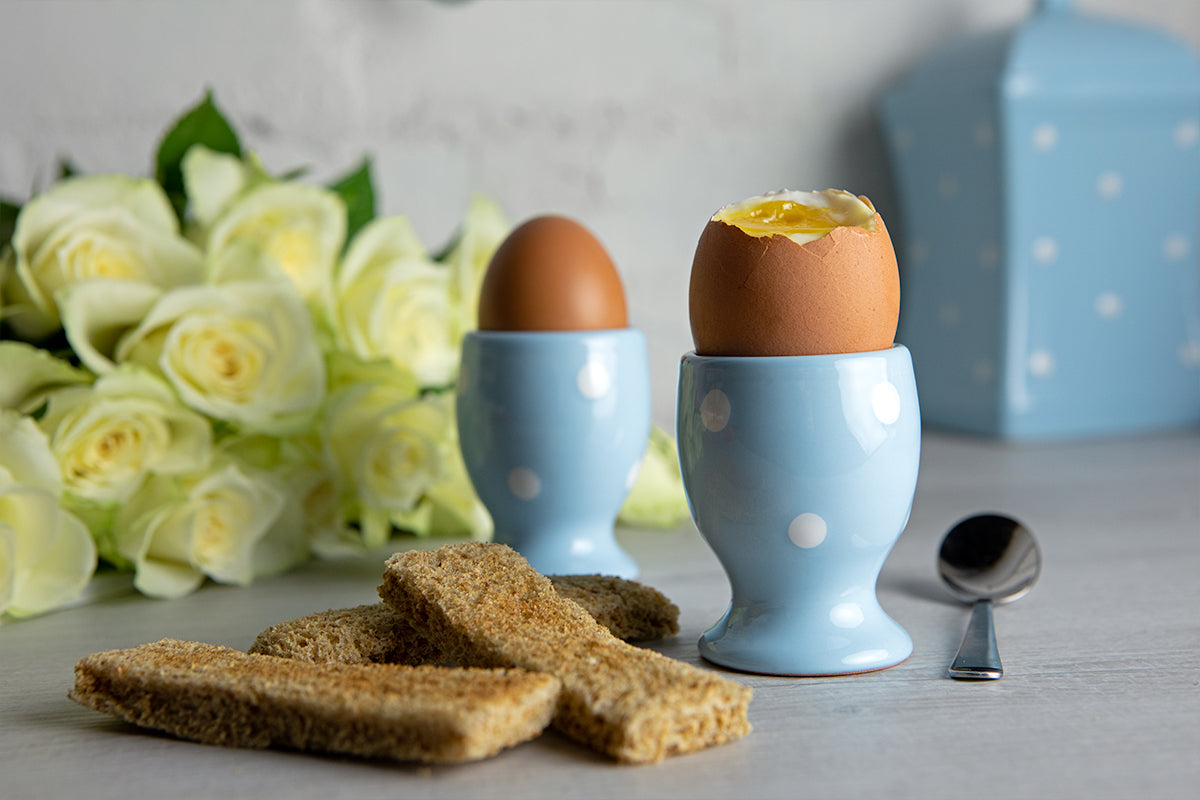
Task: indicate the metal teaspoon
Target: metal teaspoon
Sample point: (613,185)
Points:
(986,559)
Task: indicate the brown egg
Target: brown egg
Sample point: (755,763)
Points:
(551,274)
(792,274)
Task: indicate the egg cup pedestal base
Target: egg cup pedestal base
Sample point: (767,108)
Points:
(553,426)
(848,637)
(800,473)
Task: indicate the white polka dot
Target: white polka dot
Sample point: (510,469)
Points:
(524,483)
(1045,137)
(1109,305)
(885,400)
(983,371)
(593,380)
(1189,354)
(632,477)
(948,315)
(989,256)
(1175,247)
(714,410)
(1110,185)
(948,186)
(1045,249)
(918,251)
(1021,84)
(583,547)
(1041,363)
(807,530)
(984,134)
(1187,133)
(846,615)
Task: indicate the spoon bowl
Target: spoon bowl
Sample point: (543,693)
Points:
(986,559)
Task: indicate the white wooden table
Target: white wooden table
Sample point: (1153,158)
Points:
(1101,696)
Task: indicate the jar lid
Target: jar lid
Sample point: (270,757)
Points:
(1059,52)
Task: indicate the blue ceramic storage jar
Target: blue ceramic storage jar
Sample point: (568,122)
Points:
(1049,187)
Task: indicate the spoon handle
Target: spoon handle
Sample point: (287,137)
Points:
(978,658)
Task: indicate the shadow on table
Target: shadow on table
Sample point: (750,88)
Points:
(919,589)
(82,720)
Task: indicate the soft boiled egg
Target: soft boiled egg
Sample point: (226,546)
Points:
(551,274)
(794,273)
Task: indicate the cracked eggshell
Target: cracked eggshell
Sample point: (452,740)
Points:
(551,274)
(769,296)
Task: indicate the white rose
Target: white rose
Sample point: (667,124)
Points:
(300,229)
(483,229)
(241,352)
(108,437)
(177,532)
(450,506)
(213,181)
(30,373)
(46,554)
(96,227)
(387,447)
(97,313)
(391,301)
(312,514)
(345,371)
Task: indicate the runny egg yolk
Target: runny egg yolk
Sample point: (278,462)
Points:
(801,216)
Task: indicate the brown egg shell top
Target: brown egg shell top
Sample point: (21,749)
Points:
(769,296)
(551,274)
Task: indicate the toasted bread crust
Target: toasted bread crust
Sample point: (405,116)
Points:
(483,605)
(378,634)
(222,696)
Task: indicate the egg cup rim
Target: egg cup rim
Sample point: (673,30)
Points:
(507,336)
(814,360)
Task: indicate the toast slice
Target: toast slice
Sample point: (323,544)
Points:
(484,606)
(630,610)
(222,696)
(378,634)
(370,634)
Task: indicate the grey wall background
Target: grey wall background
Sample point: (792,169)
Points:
(638,118)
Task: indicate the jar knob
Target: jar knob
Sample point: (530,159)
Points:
(1055,6)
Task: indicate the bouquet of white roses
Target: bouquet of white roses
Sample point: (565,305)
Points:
(219,373)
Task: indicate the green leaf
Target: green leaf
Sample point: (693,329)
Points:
(66,168)
(8,221)
(203,124)
(358,193)
(294,174)
(455,240)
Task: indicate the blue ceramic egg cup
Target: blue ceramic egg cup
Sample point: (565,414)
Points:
(800,474)
(553,428)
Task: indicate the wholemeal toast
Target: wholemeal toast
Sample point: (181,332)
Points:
(379,634)
(630,610)
(483,605)
(370,634)
(222,696)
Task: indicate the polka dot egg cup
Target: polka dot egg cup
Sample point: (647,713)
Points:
(800,474)
(553,427)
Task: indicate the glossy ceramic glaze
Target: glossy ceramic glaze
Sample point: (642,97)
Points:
(800,474)
(553,427)
(1048,177)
